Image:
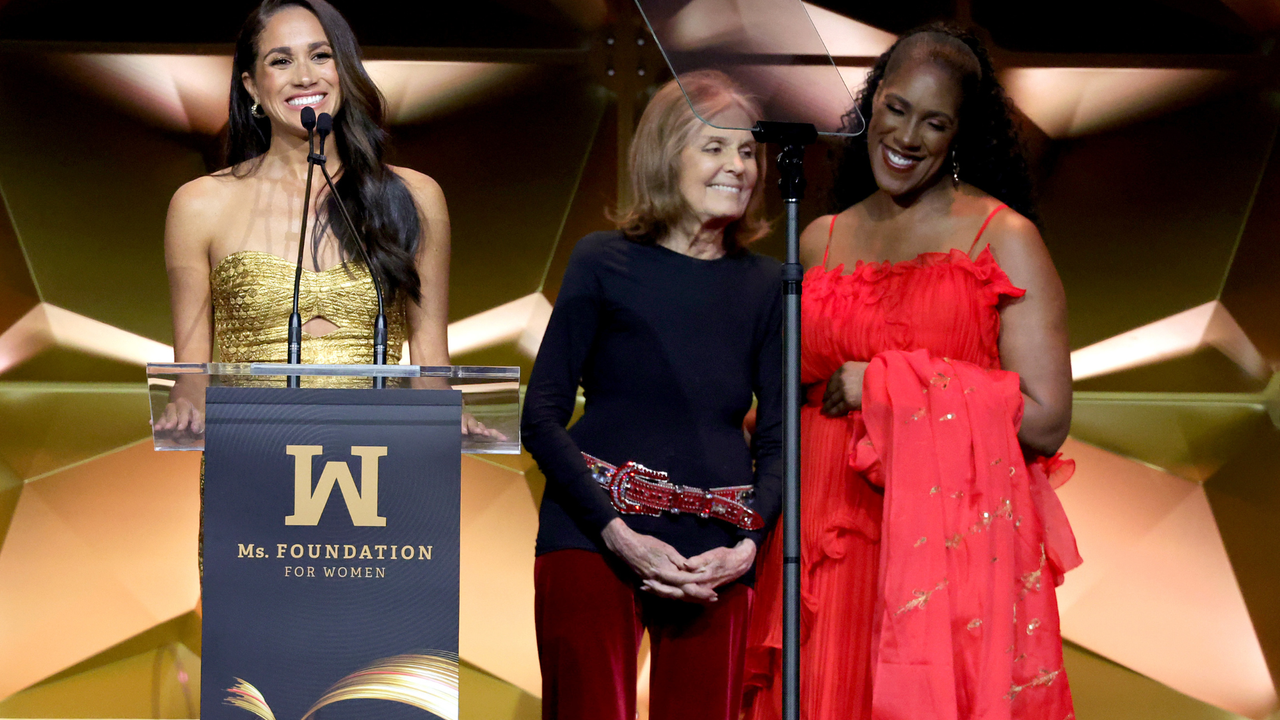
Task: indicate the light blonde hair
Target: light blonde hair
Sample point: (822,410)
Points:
(667,126)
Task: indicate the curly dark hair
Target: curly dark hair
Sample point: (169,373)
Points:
(987,146)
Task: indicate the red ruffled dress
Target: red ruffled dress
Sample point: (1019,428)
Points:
(930,547)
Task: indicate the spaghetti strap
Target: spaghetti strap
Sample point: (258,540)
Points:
(982,229)
(831,231)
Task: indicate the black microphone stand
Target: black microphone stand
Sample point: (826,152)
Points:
(793,137)
(295,319)
(324,127)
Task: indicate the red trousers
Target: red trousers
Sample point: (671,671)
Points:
(591,615)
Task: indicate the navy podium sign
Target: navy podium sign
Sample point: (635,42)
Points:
(331,554)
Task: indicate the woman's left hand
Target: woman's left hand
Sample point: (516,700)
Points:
(721,565)
(474,428)
(844,390)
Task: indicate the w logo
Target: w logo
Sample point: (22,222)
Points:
(308,505)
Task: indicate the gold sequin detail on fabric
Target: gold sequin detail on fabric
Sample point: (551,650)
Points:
(253,297)
(974,624)
(921,598)
(921,541)
(1031,580)
(1044,678)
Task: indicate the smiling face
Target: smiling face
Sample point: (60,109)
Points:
(718,170)
(913,122)
(295,69)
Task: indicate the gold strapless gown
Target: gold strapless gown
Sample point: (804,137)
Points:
(253,297)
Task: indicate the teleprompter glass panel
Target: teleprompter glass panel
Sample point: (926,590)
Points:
(769,47)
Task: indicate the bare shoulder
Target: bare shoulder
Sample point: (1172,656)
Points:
(1011,233)
(205,196)
(196,213)
(1018,247)
(424,189)
(813,241)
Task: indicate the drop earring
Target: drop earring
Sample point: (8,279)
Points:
(955,169)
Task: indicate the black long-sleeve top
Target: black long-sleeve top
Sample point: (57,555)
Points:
(669,351)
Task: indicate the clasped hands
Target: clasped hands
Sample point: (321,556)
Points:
(666,573)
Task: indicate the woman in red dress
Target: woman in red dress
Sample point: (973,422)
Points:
(938,381)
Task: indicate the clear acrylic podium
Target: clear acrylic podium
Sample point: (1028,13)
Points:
(489,394)
(331,507)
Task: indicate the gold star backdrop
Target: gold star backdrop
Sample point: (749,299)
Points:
(1152,127)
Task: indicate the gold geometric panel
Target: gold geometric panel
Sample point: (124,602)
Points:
(1251,291)
(17,291)
(485,697)
(162,682)
(87,189)
(509,334)
(59,364)
(1206,370)
(1209,325)
(1070,102)
(596,191)
(10,489)
(158,669)
(1103,690)
(1245,496)
(1157,592)
(501,249)
(48,326)
(96,554)
(499,525)
(48,426)
(1135,233)
(1188,434)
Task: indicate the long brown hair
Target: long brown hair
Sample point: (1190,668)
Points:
(376,198)
(665,129)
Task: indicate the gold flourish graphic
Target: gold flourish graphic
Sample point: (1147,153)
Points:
(247,697)
(428,682)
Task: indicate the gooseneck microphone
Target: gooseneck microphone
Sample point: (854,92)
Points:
(295,319)
(324,125)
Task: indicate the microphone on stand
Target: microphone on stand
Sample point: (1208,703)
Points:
(324,125)
(295,320)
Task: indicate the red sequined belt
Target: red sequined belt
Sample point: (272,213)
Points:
(636,490)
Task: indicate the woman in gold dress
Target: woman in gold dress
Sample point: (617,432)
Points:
(231,237)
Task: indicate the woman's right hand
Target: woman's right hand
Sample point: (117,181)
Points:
(844,390)
(181,418)
(657,563)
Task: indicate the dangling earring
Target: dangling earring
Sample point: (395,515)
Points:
(955,169)
(256,110)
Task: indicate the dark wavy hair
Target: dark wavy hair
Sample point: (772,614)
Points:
(987,146)
(379,202)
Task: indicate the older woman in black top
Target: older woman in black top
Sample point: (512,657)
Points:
(655,502)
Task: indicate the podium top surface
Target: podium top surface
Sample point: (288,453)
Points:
(490,395)
(268,370)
